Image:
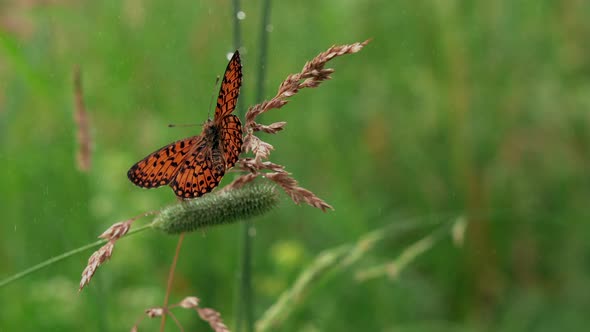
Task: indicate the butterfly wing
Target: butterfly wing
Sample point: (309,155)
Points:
(160,167)
(231,136)
(199,174)
(230,88)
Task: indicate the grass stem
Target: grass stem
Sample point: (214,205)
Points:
(170,280)
(61,257)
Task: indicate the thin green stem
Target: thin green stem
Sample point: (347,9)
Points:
(237,32)
(237,29)
(246,298)
(170,280)
(84,165)
(61,257)
(262,60)
(244,307)
(242,299)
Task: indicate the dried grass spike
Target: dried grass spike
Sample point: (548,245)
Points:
(189,302)
(84,153)
(116,231)
(112,234)
(297,193)
(96,259)
(213,318)
(273,128)
(241,181)
(155,312)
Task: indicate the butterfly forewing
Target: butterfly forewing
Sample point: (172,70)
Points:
(160,167)
(230,88)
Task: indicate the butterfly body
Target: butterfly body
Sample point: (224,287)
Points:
(195,165)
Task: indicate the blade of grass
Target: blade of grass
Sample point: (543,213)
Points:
(61,257)
(332,260)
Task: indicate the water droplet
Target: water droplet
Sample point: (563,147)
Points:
(269,28)
(252,231)
(241,15)
(229,55)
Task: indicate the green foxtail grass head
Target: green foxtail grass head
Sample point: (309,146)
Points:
(226,207)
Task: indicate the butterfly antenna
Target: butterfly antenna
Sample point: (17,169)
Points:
(172,125)
(212,96)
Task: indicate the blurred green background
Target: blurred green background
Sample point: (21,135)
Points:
(479,109)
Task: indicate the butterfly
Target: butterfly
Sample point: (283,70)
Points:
(195,165)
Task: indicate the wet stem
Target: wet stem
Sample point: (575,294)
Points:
(243,300)
(244,308)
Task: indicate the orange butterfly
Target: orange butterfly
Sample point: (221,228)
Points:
(194,166)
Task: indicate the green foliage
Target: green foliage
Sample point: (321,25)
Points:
(476,108)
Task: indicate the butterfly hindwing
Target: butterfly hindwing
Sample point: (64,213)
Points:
(198,175)
(160,167)
(231,136)
(230,88)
